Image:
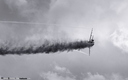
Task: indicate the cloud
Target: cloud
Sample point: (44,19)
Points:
(118,6)
(61,69)
(94,77)
(21,34)
(17,4)
(30,10)
(58,73)
(73,16)
(55,76)
(76,17)
(102,77)
(80,16)
(120,38)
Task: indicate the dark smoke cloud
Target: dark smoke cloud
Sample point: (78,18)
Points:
(47,48)
(38,36)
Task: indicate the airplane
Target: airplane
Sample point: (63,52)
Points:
(90,43)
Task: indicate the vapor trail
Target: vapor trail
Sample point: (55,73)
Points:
(81,52)
(17,22)
(45,48)
(36,23)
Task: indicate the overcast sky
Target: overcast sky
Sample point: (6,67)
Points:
(73,20)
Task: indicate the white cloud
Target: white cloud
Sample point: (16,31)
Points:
(106,77)
(27,8)
(94,77)
(81,15)
(61,69)
(58,73)
(120,38)
(16,3)
(118,6)
(55,76)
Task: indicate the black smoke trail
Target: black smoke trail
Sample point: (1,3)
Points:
(45,48)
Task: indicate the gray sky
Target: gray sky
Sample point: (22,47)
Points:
(74,19)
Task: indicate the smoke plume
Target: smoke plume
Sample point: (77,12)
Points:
(52,31)
(47,48)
